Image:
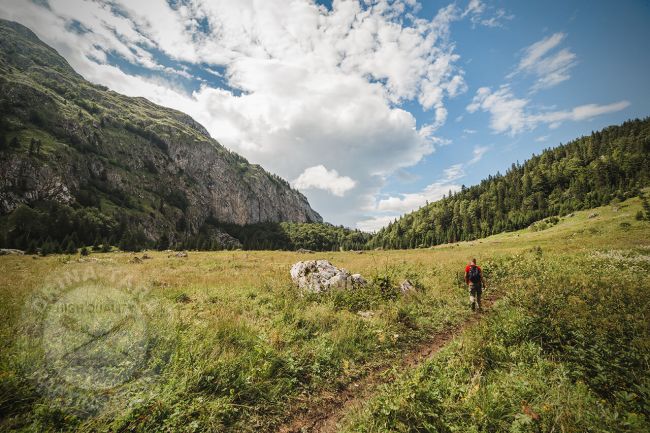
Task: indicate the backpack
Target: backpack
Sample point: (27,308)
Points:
(474,274)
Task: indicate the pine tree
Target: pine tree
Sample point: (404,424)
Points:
(32,249)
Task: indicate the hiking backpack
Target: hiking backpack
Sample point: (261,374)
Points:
(474,274)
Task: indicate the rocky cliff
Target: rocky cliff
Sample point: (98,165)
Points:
(78,144)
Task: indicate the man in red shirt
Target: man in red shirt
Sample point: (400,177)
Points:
(475,282)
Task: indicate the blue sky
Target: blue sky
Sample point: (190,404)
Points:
(610,40)
(369,108)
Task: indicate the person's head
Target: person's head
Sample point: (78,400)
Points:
(473,262)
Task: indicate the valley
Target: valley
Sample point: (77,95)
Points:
(227,343)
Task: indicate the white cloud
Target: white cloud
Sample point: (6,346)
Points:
(506,112)
(406,176)
(321,178)
(453,172)
(582,112)
(313,87)
(374,224)
(411,201)
(549,68)
(477,9)
(477,154)
(511,115)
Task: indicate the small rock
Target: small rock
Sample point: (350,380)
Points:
(304,251)
(366,314)
(181,254)
(359,251)
(358,280)
(407,287)
(146,256)
(593,215)
(8,251)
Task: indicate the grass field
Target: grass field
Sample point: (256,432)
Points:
(222,341)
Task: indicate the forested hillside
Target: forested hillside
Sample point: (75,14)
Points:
(591,171)
(83,165)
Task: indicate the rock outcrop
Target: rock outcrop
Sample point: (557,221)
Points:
(318,276)
(152,167)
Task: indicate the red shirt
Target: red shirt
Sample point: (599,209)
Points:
(467,268)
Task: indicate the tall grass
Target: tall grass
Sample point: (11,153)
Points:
(567,350)
(231,345)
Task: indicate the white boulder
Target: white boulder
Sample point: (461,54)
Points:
(318,276)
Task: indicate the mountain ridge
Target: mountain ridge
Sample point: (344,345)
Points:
(151,169)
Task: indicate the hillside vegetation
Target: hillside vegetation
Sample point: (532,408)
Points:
(611,164)
(230,345)
(83,165)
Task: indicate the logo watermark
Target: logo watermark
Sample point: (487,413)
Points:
(87,332)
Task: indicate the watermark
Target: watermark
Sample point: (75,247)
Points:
(88,333)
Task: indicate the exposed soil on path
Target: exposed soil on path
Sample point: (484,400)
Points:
(328,412)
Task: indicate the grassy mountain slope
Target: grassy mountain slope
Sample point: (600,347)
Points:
(591,171)
(110,167)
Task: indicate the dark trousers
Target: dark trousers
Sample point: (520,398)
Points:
(475,292)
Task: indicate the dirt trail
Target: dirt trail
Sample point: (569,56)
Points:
(325,416)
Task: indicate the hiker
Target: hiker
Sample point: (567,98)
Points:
(474,279)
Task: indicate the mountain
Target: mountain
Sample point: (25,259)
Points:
(608,165)
(80,161)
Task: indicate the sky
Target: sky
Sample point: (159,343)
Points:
(370,108)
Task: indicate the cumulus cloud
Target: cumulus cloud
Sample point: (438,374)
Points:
(549,68)
(374,224)
(509,114)
(411,201)
(321,178)
(303,86)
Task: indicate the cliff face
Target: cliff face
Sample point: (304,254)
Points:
(76,143)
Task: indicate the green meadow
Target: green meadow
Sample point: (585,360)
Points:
(223,341)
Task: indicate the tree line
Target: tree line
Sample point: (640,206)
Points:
(50,227)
